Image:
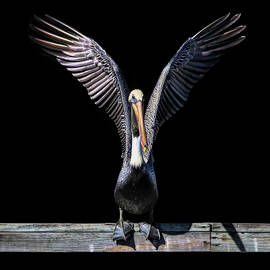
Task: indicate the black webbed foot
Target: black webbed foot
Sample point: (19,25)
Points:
(123,231)
(150,231)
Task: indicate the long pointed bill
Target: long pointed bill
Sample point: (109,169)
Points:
(139,116)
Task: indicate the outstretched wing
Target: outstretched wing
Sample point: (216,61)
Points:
(92,66)
(191,62)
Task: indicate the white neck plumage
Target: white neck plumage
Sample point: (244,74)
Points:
(136,153)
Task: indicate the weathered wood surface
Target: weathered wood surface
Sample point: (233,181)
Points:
(244,237)
(245,242)
(70,237)
(96,227)
(84,242)
(241,227)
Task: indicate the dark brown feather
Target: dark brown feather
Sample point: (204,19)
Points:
(90,64)
(191,62)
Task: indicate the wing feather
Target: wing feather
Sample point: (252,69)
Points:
(92,67)
(191,62)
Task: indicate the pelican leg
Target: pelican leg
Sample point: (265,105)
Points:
(150,231)
(123,229)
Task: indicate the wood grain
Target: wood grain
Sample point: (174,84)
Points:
(241,227)
(97,237)
(244,241)
(95,227)
(85,242)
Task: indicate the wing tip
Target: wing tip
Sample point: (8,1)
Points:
(236,16)
(217,25)
(242,38)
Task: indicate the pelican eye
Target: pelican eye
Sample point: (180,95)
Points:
(133,99)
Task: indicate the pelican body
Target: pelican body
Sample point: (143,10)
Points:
(136,188)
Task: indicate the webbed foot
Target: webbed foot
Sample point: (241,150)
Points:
(123,231)
(150,231)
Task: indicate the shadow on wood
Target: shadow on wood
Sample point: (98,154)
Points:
(234,235)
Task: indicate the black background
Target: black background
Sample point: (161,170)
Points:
(61,154)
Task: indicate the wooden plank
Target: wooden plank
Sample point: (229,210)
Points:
(99,241)
(96,227)
(240,237)
(72,237)
(241,227)
(240,242)
(57,227)
(67,237)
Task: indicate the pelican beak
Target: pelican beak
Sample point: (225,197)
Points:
(137,107)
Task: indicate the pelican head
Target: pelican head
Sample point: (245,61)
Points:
(137,124)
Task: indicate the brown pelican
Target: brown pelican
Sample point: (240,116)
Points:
(136,189)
